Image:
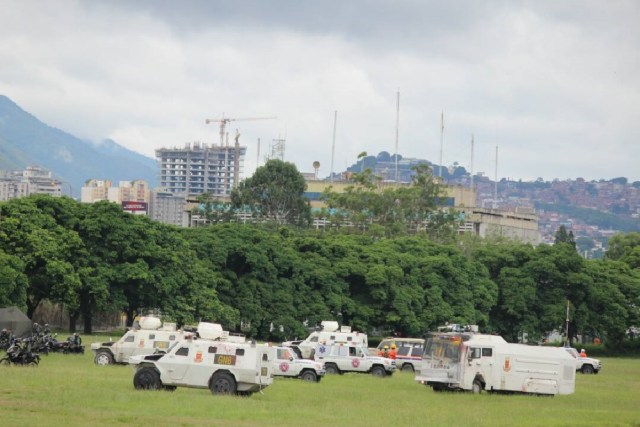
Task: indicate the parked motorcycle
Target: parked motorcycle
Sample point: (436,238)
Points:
(19,353)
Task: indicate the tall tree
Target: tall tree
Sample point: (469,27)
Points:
(275,192)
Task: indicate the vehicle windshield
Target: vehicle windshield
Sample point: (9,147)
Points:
(443,347)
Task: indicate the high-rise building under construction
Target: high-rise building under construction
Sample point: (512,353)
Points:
(198,168)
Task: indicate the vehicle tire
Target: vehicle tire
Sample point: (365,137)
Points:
(477,387)
(587,369)
(309,376)
(147,379)
(378,371)
(407,367)
(222,383)
(169,388)
(331,369)
(103,358)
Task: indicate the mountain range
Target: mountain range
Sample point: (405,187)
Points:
(26,141)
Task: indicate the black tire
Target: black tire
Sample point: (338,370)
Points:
(147,379)
(169,388)
(477,387)
(103,358)
(587,369)
(378,371)
(223,383)
(408,367)
(331,369)
(309,376)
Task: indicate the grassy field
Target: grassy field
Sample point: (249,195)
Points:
(69,390)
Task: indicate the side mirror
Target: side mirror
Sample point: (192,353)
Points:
(290,359)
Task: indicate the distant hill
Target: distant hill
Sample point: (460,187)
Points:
(26,141)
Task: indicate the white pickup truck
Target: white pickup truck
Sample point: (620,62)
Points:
(288,364)
(340,358)
(586,365)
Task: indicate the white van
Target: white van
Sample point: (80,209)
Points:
(330,334)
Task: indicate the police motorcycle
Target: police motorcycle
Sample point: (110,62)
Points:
(73,345)
(19,353)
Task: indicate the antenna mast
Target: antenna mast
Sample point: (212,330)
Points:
(333,145)
(471,182)
(495,190)
(441,142)
(397,129)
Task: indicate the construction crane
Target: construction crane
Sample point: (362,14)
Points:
(224,120)
(236,159)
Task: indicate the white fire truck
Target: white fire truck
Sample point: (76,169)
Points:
(329,334)
(224,367)
(477,362)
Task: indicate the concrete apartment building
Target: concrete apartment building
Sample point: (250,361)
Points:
(32,180)
(133,196)
(198,168)
(168,208)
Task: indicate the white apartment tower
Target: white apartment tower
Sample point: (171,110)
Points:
(198,168)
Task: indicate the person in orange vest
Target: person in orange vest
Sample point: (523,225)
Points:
(583,353)
(392,352)
(384,352)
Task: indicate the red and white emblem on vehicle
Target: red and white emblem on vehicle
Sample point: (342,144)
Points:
(284,366)
(355,363)
(507,364)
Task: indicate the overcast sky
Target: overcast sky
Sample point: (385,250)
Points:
(554,84)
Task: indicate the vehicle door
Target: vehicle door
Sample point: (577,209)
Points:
(125,348)
(481,360)
(283,364)
(177,362)
(356,358)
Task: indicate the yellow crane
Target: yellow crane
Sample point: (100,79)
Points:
(225,120)
(236,158)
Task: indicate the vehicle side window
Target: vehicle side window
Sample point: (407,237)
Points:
(474,353)
(313,339)
(332,338)
(239,351)
(403,351)
(130,338)
(416,351)
(213,350)
(184,351)
(487,352)
(349,338)
(352,351)
(172,337)
(265,358)
(152,336)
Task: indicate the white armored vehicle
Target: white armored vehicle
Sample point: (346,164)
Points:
(340,358)
(224,367)
(147,336)
(329,334)
(476,362)
(288,364)
(586,365)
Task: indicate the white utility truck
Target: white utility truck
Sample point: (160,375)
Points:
(477,362)
(224,367)
(586,365)
(339,358)
(288,364)
(147,336)
(329,333)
